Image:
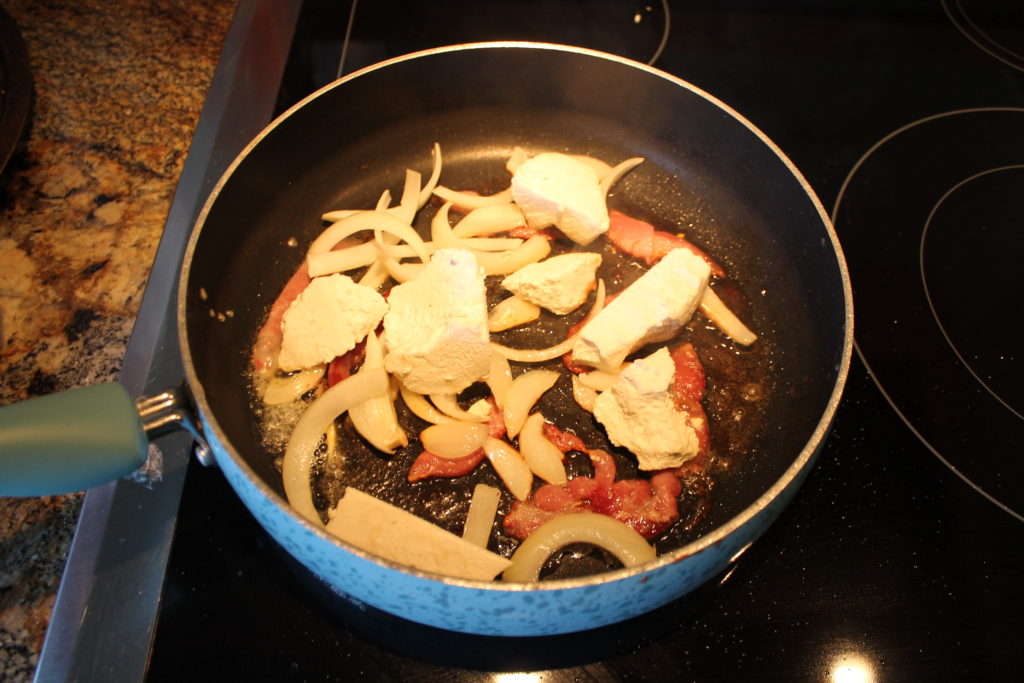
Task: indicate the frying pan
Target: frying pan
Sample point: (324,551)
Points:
(706,168)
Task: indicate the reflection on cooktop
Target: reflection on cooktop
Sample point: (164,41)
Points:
(384,28)
(992,25)
(931,233)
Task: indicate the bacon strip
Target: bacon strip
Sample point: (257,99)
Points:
(268,339)
(429,464)
(564,441)
(639,239)
(688,386)
(342,366)
(648,507)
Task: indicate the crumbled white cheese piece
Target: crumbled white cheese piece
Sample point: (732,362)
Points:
(327,319)
(436,328)
(652,309)
(559,284)
(639,414)
(556,189)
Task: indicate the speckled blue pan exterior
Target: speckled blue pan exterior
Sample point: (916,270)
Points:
(493,608)
(496,608)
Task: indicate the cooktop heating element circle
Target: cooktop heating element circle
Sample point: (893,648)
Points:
(931,231)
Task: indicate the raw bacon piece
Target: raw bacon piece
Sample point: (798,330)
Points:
(268,339)
(648,507)
(688,386)
(429,464)
(690,381)
(342,366)
(640,240)
(564,441)
(526,232)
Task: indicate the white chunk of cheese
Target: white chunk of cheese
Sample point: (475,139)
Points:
(400,536)
(652,309)
(639,414)
(435,330)
(559,284)
(327,319)
(556,189)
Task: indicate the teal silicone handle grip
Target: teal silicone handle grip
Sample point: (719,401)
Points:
(69,441)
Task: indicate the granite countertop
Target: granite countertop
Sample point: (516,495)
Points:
(118,89)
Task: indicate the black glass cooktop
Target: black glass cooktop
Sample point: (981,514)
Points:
(900,558)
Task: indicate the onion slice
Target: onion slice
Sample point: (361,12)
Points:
(560,349)
(511,312)
(516,159)
(583,395)
(302,444)
(375,418)
(510,466)
(447,404)
(725,320)
(601,380)
(454,439)
(507,262)
(522,394)
(617,172)
(542,456)
(499,377)
(490,219)
(601,168)
(435,175)
(480,518)
(323,261)
(287,389)
(420,406)
(608,533)
(464,200)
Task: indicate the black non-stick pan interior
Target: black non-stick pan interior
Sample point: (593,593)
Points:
(705,171)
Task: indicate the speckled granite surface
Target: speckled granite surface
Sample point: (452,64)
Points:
(119,86)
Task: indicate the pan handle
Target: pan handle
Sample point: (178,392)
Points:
(84,437)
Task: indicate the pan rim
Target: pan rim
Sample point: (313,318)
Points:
(792,474)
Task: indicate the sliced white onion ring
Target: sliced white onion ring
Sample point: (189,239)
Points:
(725,320)
(577,527)
(302,444)
(322,261)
